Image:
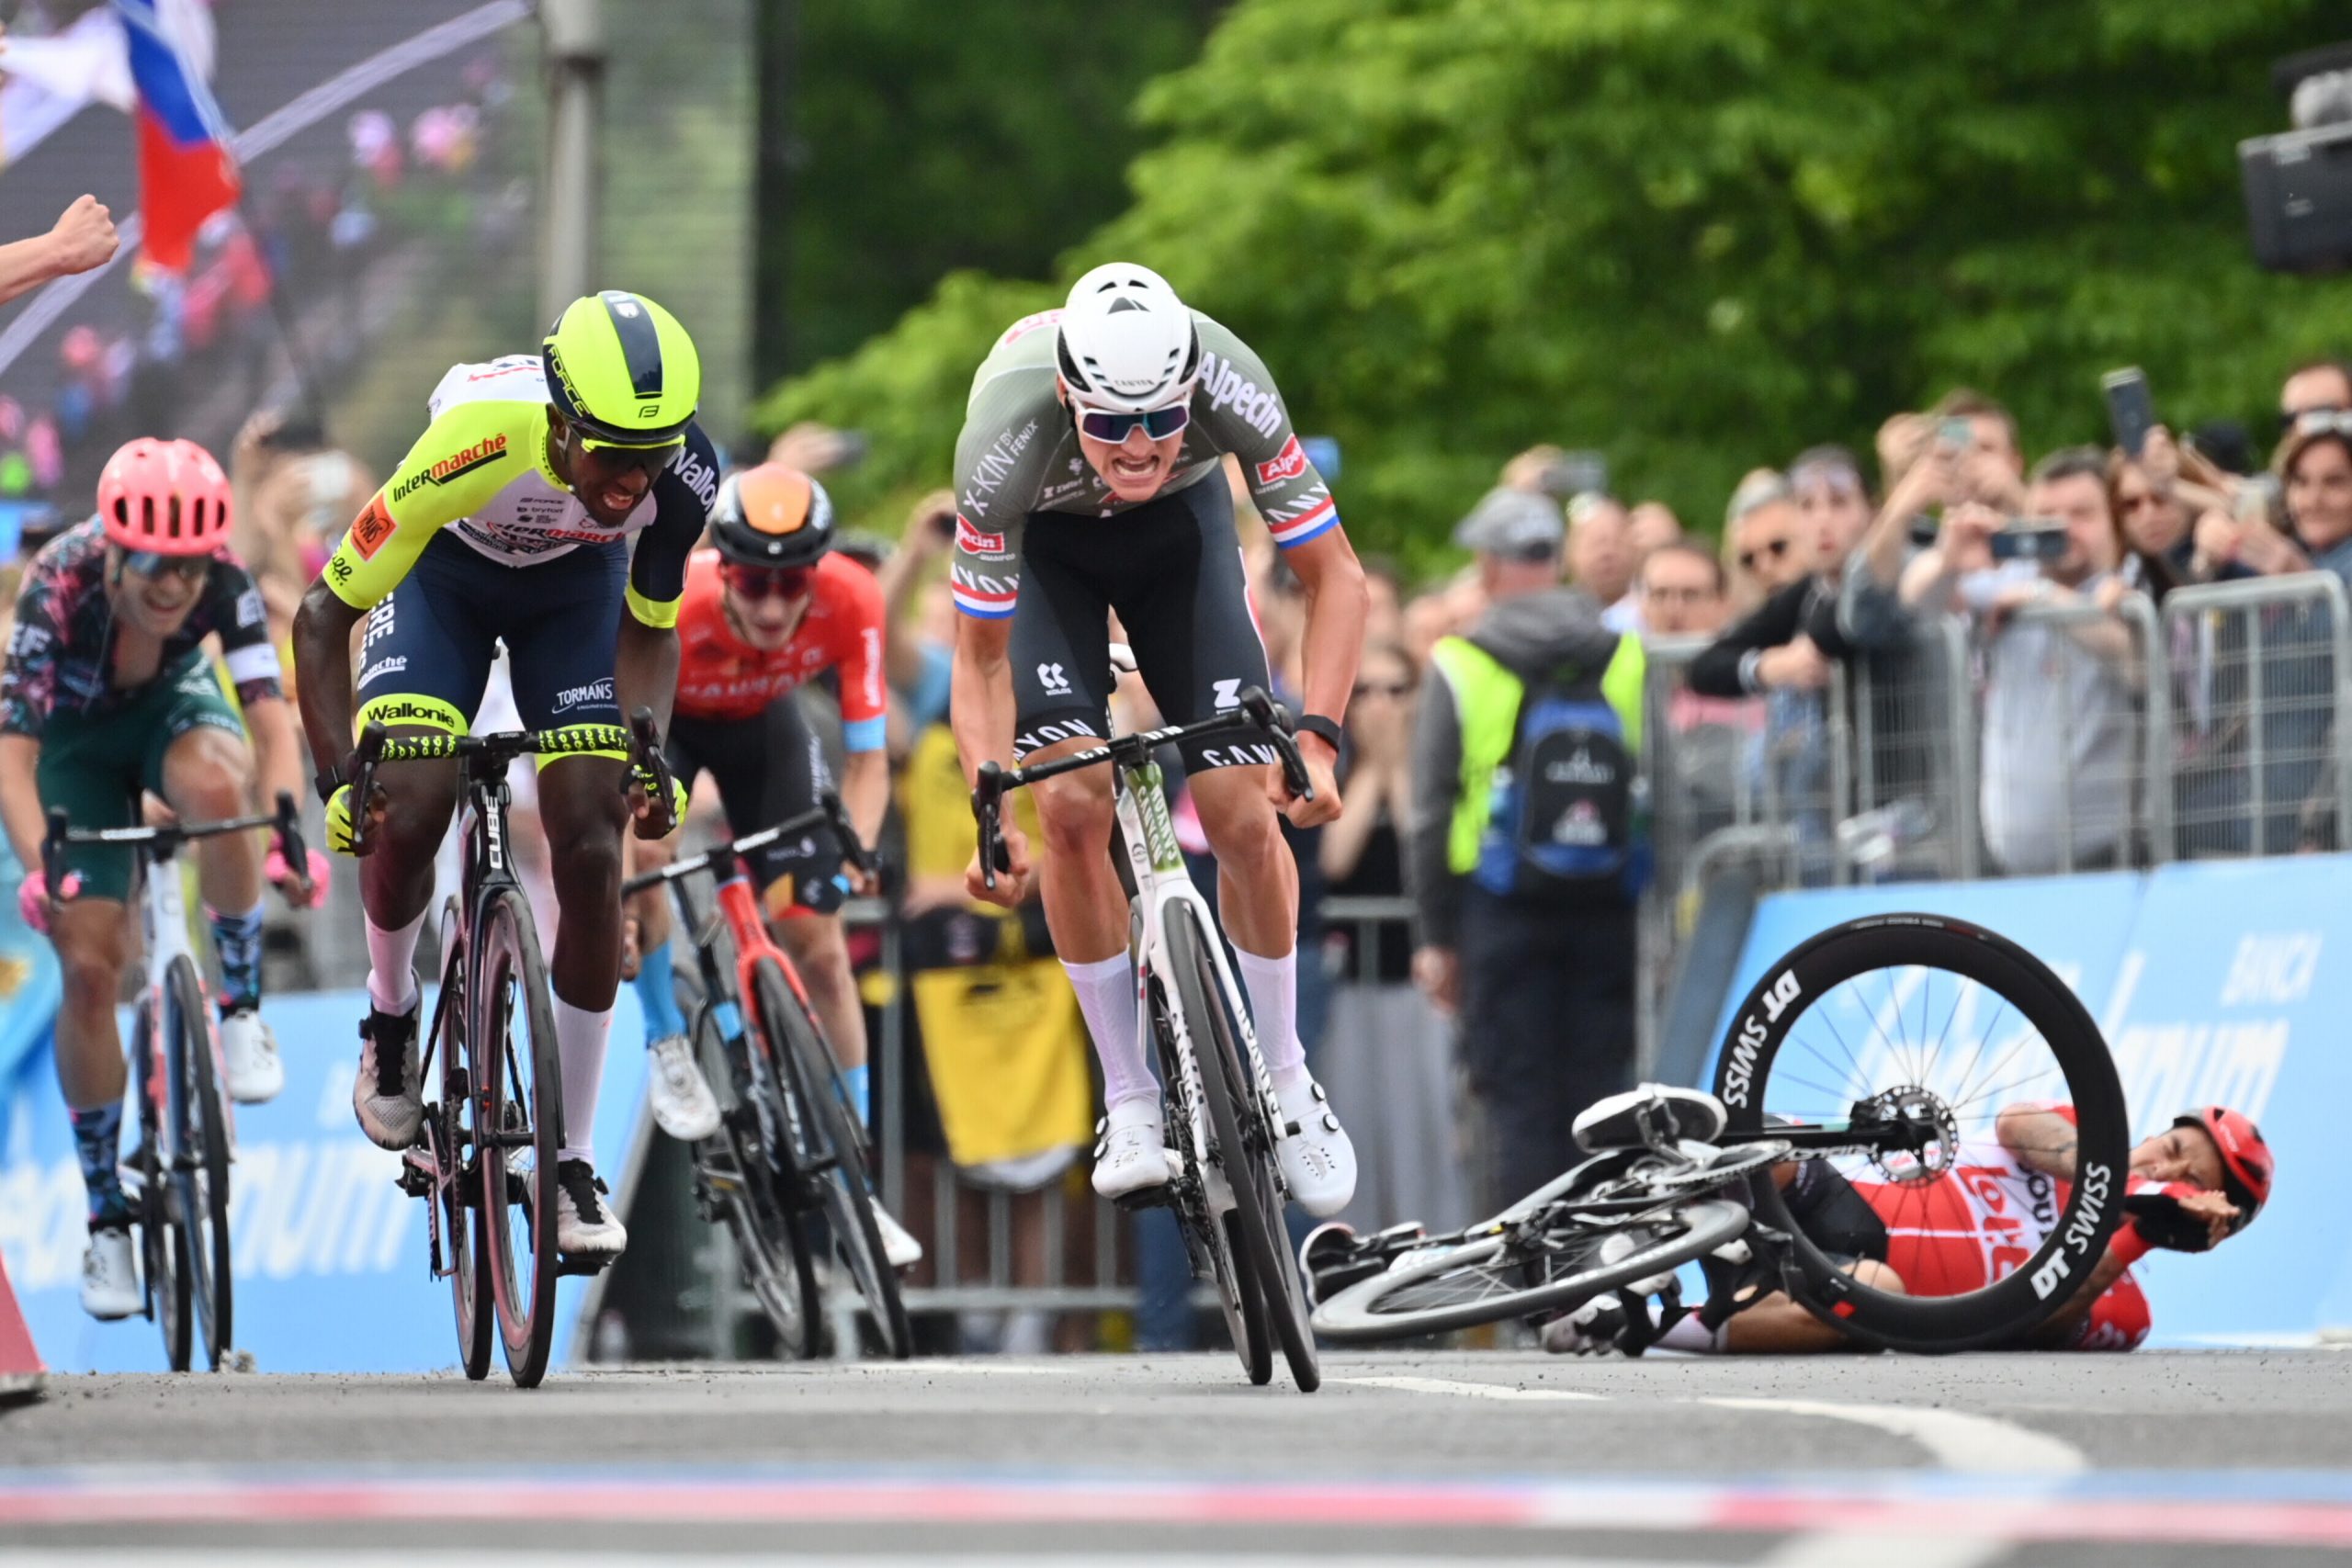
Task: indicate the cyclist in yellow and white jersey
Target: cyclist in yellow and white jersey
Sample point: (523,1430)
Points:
(511,520)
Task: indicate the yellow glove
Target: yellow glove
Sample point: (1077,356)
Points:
(644,780)
(340,821)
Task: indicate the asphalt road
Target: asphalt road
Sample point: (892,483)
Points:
(2150,1458)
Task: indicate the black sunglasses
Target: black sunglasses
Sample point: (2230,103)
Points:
(1776,548)
(151,564)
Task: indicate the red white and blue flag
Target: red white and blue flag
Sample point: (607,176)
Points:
(186,171)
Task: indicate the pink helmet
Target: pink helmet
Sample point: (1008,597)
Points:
(165,496)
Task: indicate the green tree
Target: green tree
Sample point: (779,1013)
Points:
(1698,234)
(917,137)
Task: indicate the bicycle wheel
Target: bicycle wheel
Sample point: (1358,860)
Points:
(1917,1032)
(1244,1143)
(828,1156)
(163,1248)
(771,1239)
(518,1090)
(200,1166)
(456,1121)
(1211,1235)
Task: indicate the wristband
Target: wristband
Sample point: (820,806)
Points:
(2130,1245)
(328,780)
(1324,729)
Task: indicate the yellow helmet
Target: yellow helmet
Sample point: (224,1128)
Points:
(622,370)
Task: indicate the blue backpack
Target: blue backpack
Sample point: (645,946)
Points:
(1568,814)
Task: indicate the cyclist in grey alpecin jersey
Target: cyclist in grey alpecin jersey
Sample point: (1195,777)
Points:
(1019,454)
(1088,481)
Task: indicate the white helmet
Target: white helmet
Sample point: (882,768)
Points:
(1126,343)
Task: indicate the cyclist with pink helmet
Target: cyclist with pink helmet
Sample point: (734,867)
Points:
(107,691)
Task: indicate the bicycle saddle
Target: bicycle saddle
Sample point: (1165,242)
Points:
(1653,1115)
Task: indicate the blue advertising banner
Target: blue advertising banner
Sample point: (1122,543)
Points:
(2212,984)
(328,1257)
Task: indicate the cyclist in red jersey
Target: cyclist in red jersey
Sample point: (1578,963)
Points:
(772,608)
(2191,1186)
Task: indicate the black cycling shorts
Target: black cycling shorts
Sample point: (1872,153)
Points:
(426,654)
(1832,1215)
(767,768)
(1171,569)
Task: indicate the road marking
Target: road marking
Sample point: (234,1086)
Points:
(1466,1390)
(934,1559)
(1960,1442)
(1876,1549)
(1969,1444)
(973,1368)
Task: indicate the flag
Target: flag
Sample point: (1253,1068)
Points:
(186,171)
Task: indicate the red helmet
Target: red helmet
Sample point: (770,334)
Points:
(2248,1163)
(165,496)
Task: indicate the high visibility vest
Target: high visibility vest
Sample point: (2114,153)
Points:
(1487,694)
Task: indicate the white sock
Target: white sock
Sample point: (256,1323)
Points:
(580,1038)
(1106,999)
(1692,1336)
(391,965)
(1272,984)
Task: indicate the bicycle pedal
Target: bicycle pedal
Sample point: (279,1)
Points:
(413,1181)
(583,1262)
(1161,1197)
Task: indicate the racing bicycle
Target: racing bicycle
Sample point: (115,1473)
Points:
(1886,1047)
(1229,1194)
(187,1135)
(788,1167)
(485,1156)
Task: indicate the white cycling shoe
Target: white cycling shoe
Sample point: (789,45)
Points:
(110,1275)
(898,1246)
(1133,1155)
(386,1096)
(584,1223)
(1318,1162)
(683,1105)
(249,1058)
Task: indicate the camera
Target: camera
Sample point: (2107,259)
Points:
(2298,183)
(2041,540)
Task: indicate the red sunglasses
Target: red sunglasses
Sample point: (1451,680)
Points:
(766,582)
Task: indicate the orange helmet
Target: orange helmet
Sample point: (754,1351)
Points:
(772,515)
(165,496)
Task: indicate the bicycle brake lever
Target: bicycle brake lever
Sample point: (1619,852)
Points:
(53,851)
(1274,719)
(289,834)
(853,850)
(646,754)
(364,758)
(987,796)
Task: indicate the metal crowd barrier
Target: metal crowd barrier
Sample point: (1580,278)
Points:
(2214,726)
(2258,680)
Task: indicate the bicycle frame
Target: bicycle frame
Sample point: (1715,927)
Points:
(163,915)
(1152,864)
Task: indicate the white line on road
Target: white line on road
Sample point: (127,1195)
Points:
(1042,1558)
(1974,1444)
(1467,1390)
(1959,1441)
(974,1367)
(1873,1549)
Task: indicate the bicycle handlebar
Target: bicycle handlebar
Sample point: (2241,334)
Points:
(1258,712)
(485,753)
(828,813)
(167,838)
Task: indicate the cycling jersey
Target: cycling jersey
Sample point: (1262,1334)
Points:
(723,678)
(480,471)
(1979,1221)
(60,655)
(1019,454)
